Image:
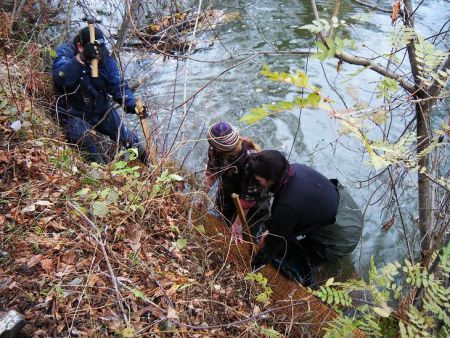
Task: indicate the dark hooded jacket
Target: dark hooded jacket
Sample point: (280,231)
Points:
(307,204)
(82,92)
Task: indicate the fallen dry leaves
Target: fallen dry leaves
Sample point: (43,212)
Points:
(396,6)
(55,272)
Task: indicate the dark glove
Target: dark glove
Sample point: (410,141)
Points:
(143,114)
(130,109)
(260,260)
(103,52)
(90,51)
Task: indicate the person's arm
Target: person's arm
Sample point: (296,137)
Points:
(68,68)
(281,226)
(211,170)
(117,87)
(209,180)
(250,192)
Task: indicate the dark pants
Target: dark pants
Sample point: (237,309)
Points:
(302,254)
(299,258)
(77,126)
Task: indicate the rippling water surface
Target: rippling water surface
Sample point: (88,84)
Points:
(309,136)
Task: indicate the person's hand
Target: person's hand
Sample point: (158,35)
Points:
(260,260)
(90,51)
(236,231)
(131,109)
(143,114)
(262,238)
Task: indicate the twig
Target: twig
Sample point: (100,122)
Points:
(68,21)
(108,263)
(361,61)
(245,320)
(381,9)
(408,245)
(81,295)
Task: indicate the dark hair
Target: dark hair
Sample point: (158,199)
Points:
(83,36)
(269,164)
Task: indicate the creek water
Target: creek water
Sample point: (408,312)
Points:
(222,79)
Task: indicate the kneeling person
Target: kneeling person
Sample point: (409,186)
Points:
(83,102)
(313,219)
(228,155)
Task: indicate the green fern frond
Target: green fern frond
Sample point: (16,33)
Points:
(340,327)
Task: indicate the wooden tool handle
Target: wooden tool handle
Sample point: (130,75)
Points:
(238,205)
(94,62)
(139,106)
(151,152)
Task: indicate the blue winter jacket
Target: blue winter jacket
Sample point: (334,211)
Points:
(80,90)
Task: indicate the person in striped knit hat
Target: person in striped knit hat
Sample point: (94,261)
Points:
(228,155)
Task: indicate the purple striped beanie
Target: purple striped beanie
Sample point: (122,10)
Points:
(223,136)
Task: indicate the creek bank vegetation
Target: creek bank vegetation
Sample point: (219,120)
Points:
(90,250)
(113,250)
(411,93)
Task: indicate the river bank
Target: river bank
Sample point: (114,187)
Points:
(89,250)
(118,250)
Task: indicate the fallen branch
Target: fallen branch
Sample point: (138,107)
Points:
(361,61)
(377,8)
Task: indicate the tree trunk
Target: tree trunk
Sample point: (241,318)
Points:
(423,133)
(425,190)
(67,23)
(132,8)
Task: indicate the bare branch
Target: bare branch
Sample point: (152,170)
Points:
(335,13)
(108,263)
(130,13)
(381,9)
(355,60)
(361,61)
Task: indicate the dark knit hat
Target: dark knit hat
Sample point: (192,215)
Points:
(223,136)
(84,37)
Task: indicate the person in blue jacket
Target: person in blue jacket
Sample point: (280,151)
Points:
(83,103)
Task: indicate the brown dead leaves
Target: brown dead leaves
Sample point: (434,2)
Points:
(396,7)
(21,164)
(387,225)
(56,273)
(57,263)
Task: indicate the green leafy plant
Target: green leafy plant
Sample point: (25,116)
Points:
(268,332)
(374,317)
(6,107)
(164,183)
(387,87)
(259,279)
(99,200)
(299,79)
(63,159)
(122,167)
(323,26)
(332,46)
(181,243)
